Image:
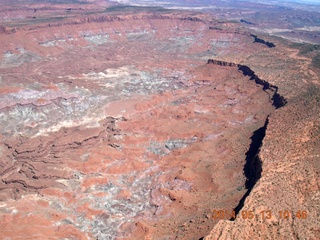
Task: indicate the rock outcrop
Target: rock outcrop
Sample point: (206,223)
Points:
(284,203)
(277,100)
(112,127)
(32,164)
(253,167)
(221,63)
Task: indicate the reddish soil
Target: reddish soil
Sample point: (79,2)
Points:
(115,126)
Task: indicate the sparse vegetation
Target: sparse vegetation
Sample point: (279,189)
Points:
(316,61)
(309,50)
(305,48)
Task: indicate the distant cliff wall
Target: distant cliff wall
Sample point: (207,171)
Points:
(277,100)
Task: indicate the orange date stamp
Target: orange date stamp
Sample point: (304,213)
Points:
(265,214)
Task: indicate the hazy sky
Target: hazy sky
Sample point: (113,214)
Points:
(302,1)
(295,1)
(313,1)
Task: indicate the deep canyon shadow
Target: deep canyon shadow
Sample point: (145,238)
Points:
(253,167)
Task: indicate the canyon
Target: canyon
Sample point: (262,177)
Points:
(139,122)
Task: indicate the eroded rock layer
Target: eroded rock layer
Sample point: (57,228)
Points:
(113,125)
(120,144)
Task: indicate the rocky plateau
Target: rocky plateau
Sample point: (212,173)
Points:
(141,122)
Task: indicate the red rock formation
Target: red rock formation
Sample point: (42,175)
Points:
(277,99)
(221,63)
(112,126)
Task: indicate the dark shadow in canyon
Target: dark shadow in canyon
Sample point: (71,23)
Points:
(260,40)
(253,167)
(277,100)
(246,22)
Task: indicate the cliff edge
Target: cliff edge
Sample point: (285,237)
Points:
(284,203)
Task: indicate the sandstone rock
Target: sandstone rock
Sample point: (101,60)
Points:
(114,127)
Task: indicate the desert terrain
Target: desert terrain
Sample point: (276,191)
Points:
(159,120)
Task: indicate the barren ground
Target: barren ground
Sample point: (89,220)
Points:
(114,125)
